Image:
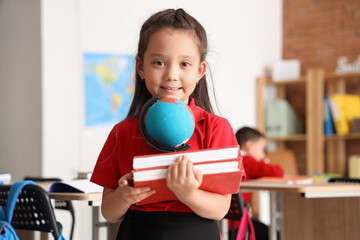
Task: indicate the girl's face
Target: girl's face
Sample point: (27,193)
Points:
(171,66)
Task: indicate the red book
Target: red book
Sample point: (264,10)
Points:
(221,170)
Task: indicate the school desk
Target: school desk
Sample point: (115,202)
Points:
(319,210)
(94,200)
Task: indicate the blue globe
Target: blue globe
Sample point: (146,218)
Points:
(170,122)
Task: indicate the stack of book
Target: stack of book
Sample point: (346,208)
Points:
(221,168)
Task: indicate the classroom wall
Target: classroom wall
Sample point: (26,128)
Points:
(20,88)
(244,39)
(62,88)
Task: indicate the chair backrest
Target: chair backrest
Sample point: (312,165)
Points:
(33,210)
(286,159)
(236,207)
(236,212)
(59,204)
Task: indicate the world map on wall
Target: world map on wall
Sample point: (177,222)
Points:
(109,87)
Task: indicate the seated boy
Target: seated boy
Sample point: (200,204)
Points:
(252,145)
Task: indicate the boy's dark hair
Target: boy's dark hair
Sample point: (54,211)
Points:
(171,19)
(246,133)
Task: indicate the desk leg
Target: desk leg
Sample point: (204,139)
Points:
(96,224)
(280,213)
(95,219)
(224,228)
(276,215)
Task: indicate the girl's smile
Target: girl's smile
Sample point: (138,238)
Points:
(170,90)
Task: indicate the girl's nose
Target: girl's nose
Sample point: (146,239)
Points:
(172,73)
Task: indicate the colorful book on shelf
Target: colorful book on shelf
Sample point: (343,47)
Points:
(354,166)
(344,108)
(287,180)
(76,186)
(329,128)
(221,170)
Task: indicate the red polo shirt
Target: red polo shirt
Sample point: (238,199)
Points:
(256,169)
(125,141)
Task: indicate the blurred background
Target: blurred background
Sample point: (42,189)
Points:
(50,51)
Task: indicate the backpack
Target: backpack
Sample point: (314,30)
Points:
(6,230)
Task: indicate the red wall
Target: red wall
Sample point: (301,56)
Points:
(318,32)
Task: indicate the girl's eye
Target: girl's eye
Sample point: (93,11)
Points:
(185,64)
(159,63)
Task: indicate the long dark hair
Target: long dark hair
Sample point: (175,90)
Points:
(179,20)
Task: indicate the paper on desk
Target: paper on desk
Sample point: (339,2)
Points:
(287,180)
(76,186)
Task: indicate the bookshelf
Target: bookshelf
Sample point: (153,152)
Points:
(315,152)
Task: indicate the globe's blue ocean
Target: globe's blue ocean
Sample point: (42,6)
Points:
(170,122)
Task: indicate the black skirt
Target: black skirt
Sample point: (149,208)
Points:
(167,226)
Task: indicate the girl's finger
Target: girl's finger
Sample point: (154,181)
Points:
(198,175)
(168,174)
(180,158)
(174,170)
(189,169)
(123,182)
(142,196)
(131,191)
(182,168)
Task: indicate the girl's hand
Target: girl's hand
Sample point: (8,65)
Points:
(182,178)
(130,194)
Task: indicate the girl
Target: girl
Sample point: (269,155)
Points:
(170,63)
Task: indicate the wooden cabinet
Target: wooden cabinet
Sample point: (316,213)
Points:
(315,152)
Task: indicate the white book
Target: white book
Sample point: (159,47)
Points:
(209,168)
(199,156)
(5,177)
(76,186)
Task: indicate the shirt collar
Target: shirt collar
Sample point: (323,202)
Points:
(198,111)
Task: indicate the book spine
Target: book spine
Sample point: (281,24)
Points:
(354,166)
(204,155)
(338,111)
(194,163)
(329,128)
